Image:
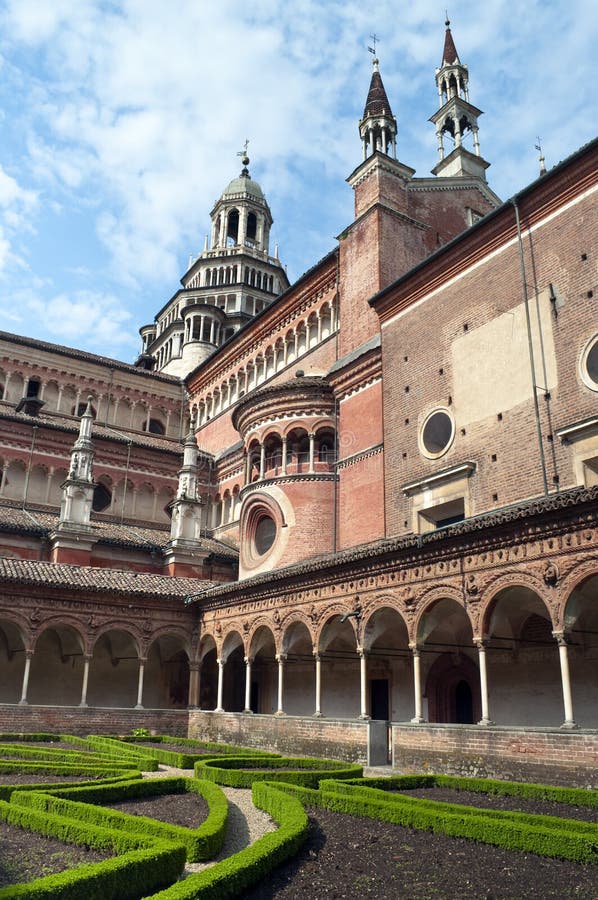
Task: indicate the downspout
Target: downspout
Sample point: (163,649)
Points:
(336,410)
(30,463)
(530,347)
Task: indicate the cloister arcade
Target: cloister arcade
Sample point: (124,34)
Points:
(514,660)
(116,668)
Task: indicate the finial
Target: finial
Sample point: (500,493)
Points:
(88,409)
(541,159)
(447,21)
(244,158)
(372,50)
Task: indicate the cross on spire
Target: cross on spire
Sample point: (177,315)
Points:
(375,40)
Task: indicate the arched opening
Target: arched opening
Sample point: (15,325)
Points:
(232,228)
(524,681)
(389,666)
(56,674)
(12,662)
(166,682)
(264,672)
(233,685)
(299,668)
(114,671)
(448,658)
(340,677)
(208,683)
(251,226)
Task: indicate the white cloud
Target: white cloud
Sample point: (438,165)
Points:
(134,110)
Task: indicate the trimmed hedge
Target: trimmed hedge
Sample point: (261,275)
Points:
(240,772)
(143,866)
(83,803)
(41,768)
(6,790)
(247,868)
(202,750)
(544,835)
(119,750)
(55,754)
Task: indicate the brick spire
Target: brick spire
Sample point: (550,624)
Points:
(377,102)
(378,127)
(449,54)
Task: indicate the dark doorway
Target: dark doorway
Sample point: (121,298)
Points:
(379,707)
(254,704)
(463,704)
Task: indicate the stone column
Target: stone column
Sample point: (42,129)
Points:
(219,707)
(363,682)
(86,662)
(485,720)
(565,680)
(139,704)
(284,455)
(48,484)
(280,659)
(3,482)
(417,687)
(262,461)
(318,659)
(247,685)
(193,698)
(312,442)
(28,655)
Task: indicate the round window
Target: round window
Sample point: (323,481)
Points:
(437,433)
(590,364)
(265,534)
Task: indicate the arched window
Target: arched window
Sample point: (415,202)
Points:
(251,226)
(232,228)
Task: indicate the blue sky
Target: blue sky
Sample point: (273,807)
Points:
(120,123)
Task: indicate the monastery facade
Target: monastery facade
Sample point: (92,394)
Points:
(353,516)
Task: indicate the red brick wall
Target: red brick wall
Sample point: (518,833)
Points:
(417,365)
(326,738)
(545,757)
(72,720)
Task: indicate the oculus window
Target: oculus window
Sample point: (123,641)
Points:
(437,433)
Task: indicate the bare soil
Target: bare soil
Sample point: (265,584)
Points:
(506,803)
(188,809)
(351,857)
(25,855)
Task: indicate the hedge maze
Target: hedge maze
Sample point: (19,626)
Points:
(146,857)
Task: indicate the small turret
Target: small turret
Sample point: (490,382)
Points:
(378,126)
(77,490)
(456,116)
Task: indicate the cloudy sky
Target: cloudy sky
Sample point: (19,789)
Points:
(121,120)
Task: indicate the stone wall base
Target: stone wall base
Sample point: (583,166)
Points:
(542,755)
(92,720)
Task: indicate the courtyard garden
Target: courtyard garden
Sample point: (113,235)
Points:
(147,816)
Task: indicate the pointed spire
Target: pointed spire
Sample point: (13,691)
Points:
(377,103)
(449,54)
(378,126)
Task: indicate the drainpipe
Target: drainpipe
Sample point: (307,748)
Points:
(530,347)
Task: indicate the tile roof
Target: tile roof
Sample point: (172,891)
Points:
(83,355)
(449,54)
(14,519)
(70,425)
(377,101)
(96,580)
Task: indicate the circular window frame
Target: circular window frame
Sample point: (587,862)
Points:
(583,364)
(258,509)
(422,447)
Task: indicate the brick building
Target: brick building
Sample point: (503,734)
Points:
(399,451)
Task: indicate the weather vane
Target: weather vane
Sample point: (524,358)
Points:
(374,41)
(243,153)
